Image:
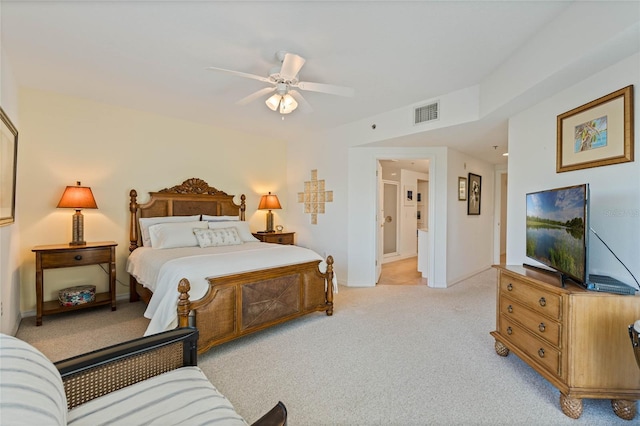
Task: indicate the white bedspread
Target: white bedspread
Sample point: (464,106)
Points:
(161,271)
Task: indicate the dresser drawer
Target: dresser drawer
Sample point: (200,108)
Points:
(537,299)
(67,258)
(531,320)
(540,351)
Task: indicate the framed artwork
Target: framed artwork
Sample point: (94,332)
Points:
(475,194)
(462,188)
(596,134)
(8,161)
(409,195)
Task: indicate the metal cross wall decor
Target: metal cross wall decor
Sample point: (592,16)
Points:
(314,197)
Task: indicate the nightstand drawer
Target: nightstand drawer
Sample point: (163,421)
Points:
(276,237)
(67,258)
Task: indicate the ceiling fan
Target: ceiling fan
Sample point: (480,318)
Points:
(285,86)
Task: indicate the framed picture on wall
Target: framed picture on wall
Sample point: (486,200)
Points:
(8,157)
(598,133)
(409,195)
(462,188)
(475,194)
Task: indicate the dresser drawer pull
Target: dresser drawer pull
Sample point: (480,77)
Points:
(542,327)
(541,353)
(542,301)
(509,286)
(509,331)
(510,309)
(78,257)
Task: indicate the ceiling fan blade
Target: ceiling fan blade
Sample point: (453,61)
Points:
(242,74)
(303,105)
(291,66)
(255,95)
(326,88)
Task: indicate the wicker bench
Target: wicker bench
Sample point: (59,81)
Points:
(152,380)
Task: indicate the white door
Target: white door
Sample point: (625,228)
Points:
(390,223)
(379,220)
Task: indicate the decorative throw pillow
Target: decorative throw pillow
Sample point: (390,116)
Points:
(146,222)
(241,226)
(217,237)
(172,235)
(32,389)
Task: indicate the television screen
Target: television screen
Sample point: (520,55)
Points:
(557,229)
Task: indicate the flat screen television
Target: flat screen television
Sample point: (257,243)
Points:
(558,230)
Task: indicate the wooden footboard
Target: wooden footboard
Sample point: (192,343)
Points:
(239,304)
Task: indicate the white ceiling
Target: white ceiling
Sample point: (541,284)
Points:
(152,55)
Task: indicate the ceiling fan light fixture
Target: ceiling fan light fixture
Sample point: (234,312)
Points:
(288,104)
(273,102)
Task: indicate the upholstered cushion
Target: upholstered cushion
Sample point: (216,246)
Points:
(171,235)
(182,396)
(146,222)
(209,218)
(31,389)
(217,237)
(241,226)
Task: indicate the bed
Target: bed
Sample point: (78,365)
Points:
(226,291)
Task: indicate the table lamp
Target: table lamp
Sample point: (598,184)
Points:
(269,202)
(78,197)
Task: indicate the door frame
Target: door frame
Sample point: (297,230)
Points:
(431,264)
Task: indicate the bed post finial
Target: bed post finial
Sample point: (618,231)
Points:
(183,303)
(133,228)
(329,278)
(243,206)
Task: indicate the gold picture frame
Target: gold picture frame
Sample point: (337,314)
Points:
(8,162)
(599,133)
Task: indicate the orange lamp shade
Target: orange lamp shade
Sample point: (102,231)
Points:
(269,202)
(77,197)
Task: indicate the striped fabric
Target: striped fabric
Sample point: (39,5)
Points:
(183,396)
(31,390)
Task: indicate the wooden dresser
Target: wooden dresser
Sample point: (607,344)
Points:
(576,339)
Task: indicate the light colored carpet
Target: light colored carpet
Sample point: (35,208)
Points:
(390,355)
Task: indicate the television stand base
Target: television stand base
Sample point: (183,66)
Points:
(563,277)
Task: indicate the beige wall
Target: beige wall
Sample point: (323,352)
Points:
(113,150)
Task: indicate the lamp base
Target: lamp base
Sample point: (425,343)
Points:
(78,230)
(270,222)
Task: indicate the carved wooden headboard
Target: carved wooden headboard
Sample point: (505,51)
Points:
(193,196)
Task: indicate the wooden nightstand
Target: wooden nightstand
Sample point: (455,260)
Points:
(275,237)
(68,256)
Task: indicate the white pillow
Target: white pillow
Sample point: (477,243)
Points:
(208,218)
(242,227)
(217,237)
(32,389)
(146,222)
(172,235)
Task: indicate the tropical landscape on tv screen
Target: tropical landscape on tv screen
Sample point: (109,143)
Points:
(556,227)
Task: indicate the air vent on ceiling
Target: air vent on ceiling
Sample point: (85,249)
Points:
(426,113)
